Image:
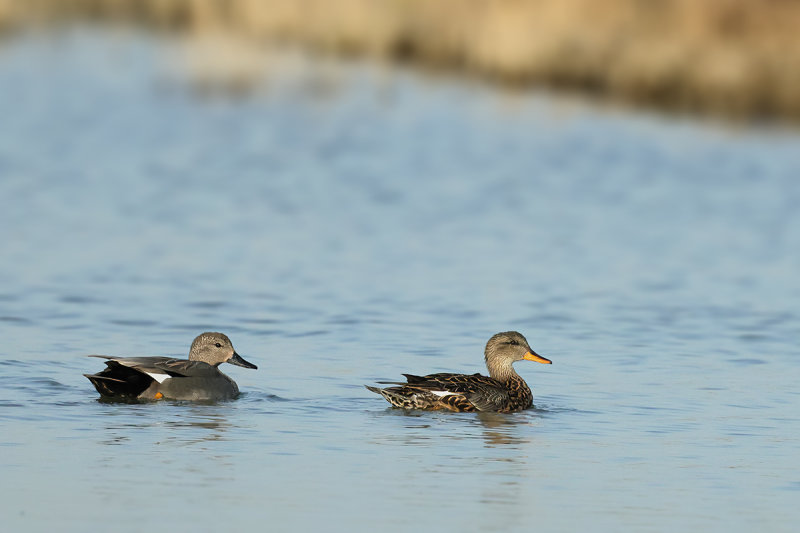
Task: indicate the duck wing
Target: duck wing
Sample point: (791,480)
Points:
(446,391)
(186,368)
(145,365)
(483,392)
(161,368)
(454,383)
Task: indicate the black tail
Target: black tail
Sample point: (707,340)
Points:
(119,381)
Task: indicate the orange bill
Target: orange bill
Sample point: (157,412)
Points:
(533,356)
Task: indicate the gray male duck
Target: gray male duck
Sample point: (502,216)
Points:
(154,378)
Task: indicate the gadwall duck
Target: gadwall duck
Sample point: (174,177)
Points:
(154,378)
(505,391)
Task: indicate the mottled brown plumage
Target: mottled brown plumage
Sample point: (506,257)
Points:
(503,390)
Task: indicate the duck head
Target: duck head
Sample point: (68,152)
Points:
(216,348)
(507,347)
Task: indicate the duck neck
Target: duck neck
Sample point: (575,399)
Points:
(502,371)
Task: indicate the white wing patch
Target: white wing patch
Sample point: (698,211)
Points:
(443,393)
(158,377)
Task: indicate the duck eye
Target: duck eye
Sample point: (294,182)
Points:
(218,345)
(513,343)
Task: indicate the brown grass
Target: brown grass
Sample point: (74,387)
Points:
(735,57)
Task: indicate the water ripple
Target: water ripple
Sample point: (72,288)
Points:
(16,320)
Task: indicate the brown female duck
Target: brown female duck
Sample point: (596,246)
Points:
(504,391)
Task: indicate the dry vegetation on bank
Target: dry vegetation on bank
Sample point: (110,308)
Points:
(734,57)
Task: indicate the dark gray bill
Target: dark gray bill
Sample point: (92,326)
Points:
(238,361)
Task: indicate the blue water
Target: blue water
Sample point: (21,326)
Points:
(344,223)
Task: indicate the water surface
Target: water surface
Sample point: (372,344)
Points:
(345,223)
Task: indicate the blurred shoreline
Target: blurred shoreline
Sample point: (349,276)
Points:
(722,57)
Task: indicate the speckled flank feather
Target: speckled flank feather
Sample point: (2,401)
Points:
(458,392)
(504,391)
